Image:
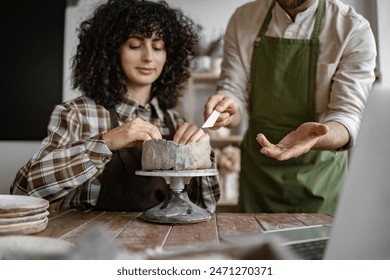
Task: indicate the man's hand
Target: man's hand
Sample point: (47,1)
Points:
(294,144)
(230,112)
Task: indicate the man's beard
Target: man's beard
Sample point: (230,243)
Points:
(290,4)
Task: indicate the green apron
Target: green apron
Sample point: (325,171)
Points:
(282,96)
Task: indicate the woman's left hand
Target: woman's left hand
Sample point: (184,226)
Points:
(190,133)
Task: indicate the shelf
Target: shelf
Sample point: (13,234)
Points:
(227,205)
(222,141)
(204,77)
(225,201)
(218,138)
(230,138)
(198,77)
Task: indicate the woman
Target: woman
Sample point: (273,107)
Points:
(131,64)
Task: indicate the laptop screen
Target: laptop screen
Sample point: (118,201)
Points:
(361,229)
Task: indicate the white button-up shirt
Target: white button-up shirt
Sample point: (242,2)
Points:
(346,62)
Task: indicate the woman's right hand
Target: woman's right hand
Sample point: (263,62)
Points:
(187,133)
(230,112)
(130,134)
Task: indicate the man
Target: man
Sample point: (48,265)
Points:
(302,70)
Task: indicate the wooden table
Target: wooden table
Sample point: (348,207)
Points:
(136,235)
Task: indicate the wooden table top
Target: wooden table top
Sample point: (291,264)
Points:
(136,235)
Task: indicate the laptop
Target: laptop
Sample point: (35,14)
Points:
(361,228)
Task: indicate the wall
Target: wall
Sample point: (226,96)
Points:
(31,53)
(31,65)
(377,13)
(13,155)
(383,7)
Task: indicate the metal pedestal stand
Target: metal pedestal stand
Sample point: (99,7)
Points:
(177,208)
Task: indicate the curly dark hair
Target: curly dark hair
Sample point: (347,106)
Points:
(96,66)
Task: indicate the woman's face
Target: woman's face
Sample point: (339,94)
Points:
(142,60)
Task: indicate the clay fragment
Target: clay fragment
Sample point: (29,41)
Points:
(161,154)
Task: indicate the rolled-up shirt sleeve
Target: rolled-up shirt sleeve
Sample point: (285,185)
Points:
(352,80)
(64,160)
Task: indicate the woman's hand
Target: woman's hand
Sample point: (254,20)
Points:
(190,133)
(294,144)
(130,134)
(230,112)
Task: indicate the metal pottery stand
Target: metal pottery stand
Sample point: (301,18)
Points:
(177,208)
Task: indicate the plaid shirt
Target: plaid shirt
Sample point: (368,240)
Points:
(70,161)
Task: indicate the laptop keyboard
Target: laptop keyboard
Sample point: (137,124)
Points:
(311,250)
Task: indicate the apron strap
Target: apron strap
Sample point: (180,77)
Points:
(317,25)
(169,123)
(113,118)
(123,154)
(266,21)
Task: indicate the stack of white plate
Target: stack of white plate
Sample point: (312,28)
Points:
(21,214)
